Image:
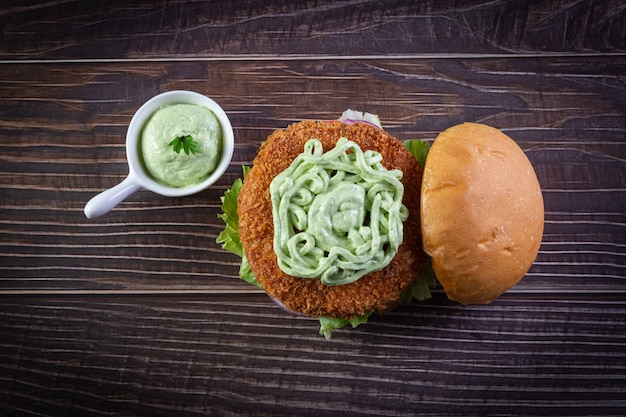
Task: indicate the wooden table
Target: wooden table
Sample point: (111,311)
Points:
(141,313)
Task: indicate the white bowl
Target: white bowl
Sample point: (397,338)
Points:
(138,178)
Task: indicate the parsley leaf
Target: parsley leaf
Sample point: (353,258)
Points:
(186,143)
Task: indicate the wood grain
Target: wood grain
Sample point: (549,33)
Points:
(73,29)
(140,312)
(244,357)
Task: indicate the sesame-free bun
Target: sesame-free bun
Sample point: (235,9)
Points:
(481,212)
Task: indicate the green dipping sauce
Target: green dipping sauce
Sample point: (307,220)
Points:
(179,120)
(337,215)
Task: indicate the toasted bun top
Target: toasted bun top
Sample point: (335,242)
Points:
(481,212)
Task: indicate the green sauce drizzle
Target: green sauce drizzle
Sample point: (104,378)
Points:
(337,215)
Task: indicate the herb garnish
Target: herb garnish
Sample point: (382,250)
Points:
(186,143)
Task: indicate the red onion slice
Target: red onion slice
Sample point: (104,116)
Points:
(355,116)
(284,307)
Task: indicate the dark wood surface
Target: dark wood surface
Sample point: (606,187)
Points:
(141,313)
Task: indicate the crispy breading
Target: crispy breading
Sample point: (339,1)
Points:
(376,291)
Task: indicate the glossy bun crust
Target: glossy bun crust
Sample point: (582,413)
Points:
(376,291)
(482,212)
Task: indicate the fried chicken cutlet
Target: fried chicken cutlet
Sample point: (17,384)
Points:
(379,290)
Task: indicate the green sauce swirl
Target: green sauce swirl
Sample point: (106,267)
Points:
(337,215)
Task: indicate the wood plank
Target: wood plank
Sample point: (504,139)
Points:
(62,141)
(176,29)
(245,357)
(141,313)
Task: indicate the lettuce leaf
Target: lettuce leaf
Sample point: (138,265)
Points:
(327,325)
(229,237)
(246,274)
(420,289)
(419,149)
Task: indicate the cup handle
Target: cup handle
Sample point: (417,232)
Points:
(106,200)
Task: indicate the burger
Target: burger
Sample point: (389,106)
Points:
(326,220)
(329,221)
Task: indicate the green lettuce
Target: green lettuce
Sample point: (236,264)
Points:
(246,274)
(229,237)
(327,325)
(419,149)
(420,289)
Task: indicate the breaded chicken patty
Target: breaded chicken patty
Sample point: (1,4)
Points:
(378,290)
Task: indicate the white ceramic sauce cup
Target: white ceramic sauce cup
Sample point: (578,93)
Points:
(138,178)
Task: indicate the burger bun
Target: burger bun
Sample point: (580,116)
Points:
(482,213)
